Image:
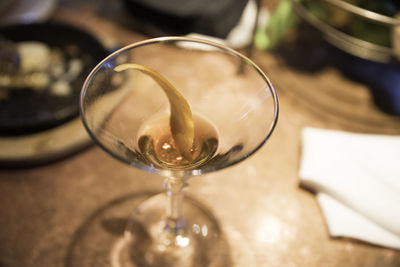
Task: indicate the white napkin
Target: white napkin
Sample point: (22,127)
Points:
(357,181)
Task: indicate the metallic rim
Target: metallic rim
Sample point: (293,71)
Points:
(347,42)
(370,15)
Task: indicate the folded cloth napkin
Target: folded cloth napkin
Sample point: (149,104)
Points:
(357,181)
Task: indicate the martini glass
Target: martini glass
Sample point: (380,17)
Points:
(235,110)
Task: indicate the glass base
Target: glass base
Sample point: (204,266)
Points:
(152,240)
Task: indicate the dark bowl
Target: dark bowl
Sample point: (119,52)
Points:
(28,111)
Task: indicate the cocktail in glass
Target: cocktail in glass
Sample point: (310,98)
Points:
(234,109)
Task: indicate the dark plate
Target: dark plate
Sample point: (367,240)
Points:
(27,111)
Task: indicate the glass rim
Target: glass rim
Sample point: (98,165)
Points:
(165,39)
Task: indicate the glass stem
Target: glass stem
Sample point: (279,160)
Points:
(175,189)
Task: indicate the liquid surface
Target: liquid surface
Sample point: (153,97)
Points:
(157,146)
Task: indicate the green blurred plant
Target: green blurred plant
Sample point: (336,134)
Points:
(281,21)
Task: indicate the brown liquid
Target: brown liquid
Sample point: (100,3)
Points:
(156,144)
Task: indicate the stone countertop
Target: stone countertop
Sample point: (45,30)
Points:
(69,212)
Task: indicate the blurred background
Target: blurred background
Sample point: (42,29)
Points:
(335,65)
(358,39)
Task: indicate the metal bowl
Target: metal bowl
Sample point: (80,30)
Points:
(350,43)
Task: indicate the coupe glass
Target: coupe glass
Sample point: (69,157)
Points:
(234,105)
